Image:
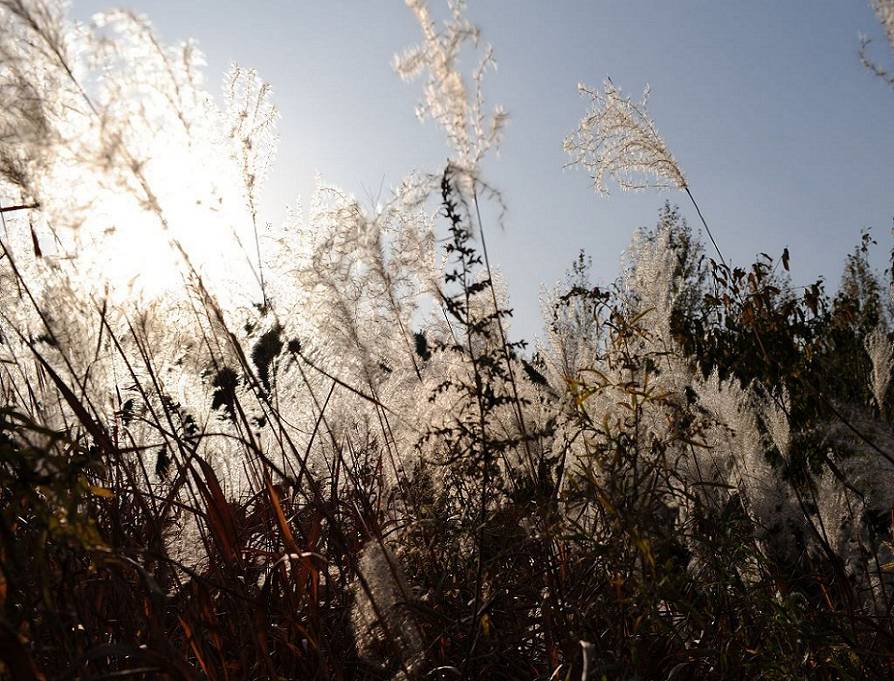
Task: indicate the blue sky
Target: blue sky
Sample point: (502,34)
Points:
(785,139)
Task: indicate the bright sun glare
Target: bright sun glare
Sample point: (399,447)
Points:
(133,249)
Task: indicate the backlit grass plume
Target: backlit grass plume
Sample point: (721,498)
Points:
(618,141)
(470,130)
(884,11)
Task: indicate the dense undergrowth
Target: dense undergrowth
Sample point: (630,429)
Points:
(330,458)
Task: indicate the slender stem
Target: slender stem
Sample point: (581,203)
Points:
(517,402)
(260,262)
(23,206)
(704,222)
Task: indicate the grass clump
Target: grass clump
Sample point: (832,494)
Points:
(329,458)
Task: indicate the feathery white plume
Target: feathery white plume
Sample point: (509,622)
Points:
(617,140)
(881,353)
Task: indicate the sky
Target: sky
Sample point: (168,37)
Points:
(785,139)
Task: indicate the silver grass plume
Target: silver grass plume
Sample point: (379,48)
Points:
(884,11)
(881,353)
(736,454)
(252,118)
(446,99)
(109,121)
(380,611)
(650,280)
(617,140)
(775,414)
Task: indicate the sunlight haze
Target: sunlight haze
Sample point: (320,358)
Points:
(780,130)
